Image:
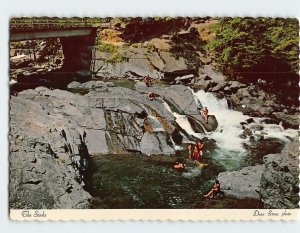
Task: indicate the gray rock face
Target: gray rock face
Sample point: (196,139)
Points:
(156,143)
(243,183)
(48,159)
(279,186)
(276,182)
(180,99)
(138,61)
(54,132)
(99,85)
(291,121)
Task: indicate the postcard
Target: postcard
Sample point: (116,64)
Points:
(154,118)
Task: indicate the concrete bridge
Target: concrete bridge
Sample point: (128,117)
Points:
(42,28)
(77,36)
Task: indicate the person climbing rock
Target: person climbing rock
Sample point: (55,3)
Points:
(147,81)
(215,189)
(204,113)
(151,95)
(179,165)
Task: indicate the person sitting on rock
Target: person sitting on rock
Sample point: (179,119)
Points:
(179,165)
(204,113)
(215,189)
(200,146)
(147,81)
(151,95)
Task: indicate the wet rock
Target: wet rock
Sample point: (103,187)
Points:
(289,121)
(247,132)
(244,183)
(156,143)
(198,123)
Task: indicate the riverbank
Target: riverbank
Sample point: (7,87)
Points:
(68,128)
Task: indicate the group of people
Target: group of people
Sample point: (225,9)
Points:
(195,150)
(196,154)
(148,81)
(151,95)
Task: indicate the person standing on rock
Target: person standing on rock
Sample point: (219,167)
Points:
(191,150)
(196,154)
(204,113)
(200,146)
(215,189)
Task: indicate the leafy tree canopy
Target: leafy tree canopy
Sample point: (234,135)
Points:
(256,47)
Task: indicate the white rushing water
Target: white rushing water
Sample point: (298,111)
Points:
(227,135)
(230,146)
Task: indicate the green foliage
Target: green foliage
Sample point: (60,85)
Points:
(108,48)
(245,46)
(115,57)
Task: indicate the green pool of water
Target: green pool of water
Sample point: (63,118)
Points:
(139,181)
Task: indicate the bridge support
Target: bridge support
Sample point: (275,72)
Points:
(78,55)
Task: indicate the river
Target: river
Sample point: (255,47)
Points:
(136,181)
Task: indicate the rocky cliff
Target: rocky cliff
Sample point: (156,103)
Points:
(54,132)
(174,52)
(279,185)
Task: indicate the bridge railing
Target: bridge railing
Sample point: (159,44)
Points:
(20,24)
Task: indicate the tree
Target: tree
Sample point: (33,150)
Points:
(257,47)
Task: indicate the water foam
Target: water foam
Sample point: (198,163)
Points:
(227,135)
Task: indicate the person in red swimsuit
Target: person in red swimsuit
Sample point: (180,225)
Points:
(200,146)
(147,81)
(151,95)
(191,150)
(204,113)
(215,189)
(196,154)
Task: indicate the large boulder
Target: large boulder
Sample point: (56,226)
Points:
(275,183)
(156,143)
(279,186)
(289,121)
(244,183)
(199,124)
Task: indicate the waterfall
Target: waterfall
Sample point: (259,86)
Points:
(227,135)
(229,130)
(182,121)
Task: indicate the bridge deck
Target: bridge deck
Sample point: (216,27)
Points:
(49,24)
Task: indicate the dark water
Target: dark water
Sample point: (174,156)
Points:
(138,181)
